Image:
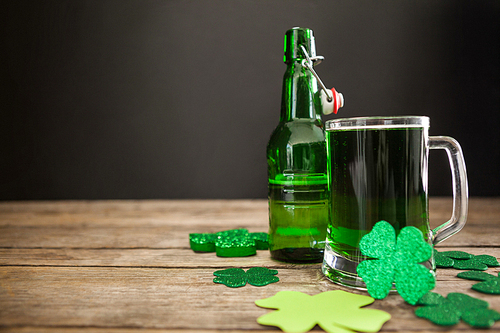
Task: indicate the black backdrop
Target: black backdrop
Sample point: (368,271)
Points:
(177,99)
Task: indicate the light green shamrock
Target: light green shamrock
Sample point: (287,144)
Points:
(335,311)
(396,260)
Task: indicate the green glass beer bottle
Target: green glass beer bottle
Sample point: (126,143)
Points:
(296,157)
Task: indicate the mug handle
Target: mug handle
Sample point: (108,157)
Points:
(460,187)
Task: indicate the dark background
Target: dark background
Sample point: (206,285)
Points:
(177,99)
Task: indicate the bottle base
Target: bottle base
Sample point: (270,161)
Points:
(298,255)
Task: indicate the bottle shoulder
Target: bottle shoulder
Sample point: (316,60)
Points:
(297,147)
(299,131)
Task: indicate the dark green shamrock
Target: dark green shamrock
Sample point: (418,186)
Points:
(261,240)
(478,263)
(229,243)
(237,277)
(234,243)
(464,260)
(446,259)
(448,311)
(396,261)
(490,284)
(202,242)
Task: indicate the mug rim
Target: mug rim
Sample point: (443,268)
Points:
(378,122)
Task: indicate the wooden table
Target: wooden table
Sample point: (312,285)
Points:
(126,266)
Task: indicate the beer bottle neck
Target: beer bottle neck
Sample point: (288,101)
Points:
(299,84)
(299,94)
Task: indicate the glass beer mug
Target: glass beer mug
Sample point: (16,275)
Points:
(377,170)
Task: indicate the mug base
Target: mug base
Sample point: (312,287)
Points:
(341,270)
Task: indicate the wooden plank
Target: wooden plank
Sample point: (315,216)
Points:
(168,258)
(52,329)
(133,213)
(166,224)
(169,224)
(107,237)
(170,298)
(188,207)
(177,236)
(141,330)
(161,258)
(178,212)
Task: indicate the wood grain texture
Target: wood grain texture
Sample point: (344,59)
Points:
(126,266)
(167,298)
(166,224)
(158,258)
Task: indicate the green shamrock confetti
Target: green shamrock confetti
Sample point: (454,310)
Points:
(464,260)
(448,311)
(397,260)
(202,242)
(234,243)
(445,259)
(335,311)
(233,233)
(470,264)
(229,243)
(237,277)
(490,261)
(490,284)
(261,240)
(479,263)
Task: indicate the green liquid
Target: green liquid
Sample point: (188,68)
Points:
(375,175)
(298,217)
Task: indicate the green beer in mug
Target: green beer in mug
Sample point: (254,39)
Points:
(377,170)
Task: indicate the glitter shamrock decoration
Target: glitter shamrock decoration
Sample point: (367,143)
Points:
(236,277)
(229,243)
(261,240)
(490,284)
(448,311)
(446,259)
(396,260)
(334,311)
(234,243)
(202,242)
(464,260)
(479,263)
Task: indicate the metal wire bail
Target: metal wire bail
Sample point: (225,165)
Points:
(308,63)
